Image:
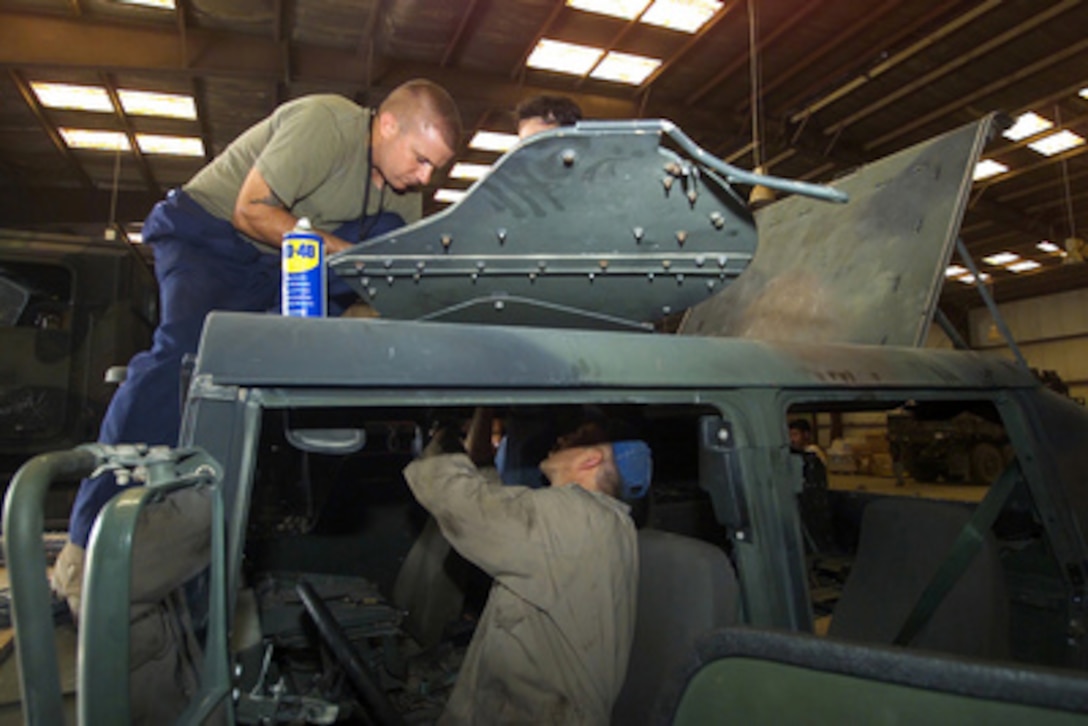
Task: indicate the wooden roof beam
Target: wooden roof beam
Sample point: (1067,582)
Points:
(767,40)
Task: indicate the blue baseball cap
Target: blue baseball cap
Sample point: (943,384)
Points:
(635,465)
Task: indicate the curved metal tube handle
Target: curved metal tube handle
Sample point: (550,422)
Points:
(731,173)
(735,174)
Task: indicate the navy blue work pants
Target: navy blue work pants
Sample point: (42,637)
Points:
(202,264)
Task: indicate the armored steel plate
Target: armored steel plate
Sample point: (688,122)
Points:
(598,225)
(866,272)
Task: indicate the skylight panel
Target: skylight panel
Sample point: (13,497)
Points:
(970,279)
(684,15)
(1001,258)
(493,141)
(72,97)
(148,103)
(555,55)
(95,140)
(625,9)
(955,271)
(988,168)
(172,145)
(1023,266)
(1048,247)
(154,4)
(1026,125)
(449,196)
(625,68)
(465,170)
(1056,143)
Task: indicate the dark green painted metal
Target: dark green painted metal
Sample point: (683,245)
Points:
(602,225)
(32,612)
(103,668)
(865,272)
(270,351)
(750,691)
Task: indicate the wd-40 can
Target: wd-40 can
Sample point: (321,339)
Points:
(303,281)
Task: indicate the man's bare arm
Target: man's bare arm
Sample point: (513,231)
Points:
(259,214)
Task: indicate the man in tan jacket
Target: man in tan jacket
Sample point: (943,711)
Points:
(552,644)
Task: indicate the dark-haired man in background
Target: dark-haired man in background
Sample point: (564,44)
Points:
(542,113)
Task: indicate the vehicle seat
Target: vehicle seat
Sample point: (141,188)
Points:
(901,544)
(686,588)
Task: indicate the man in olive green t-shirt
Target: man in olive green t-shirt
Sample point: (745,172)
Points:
(216,242)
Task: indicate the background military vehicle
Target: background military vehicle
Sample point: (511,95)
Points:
(70,308)
(301,609)
(957,445)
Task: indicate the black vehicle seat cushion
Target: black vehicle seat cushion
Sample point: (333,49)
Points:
(686,588)
(901,544)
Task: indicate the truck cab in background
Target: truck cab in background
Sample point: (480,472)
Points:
(71,308)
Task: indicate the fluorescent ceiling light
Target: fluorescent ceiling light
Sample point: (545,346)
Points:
(1023,266)
(970,279)
(988,168)
(156,4)
(450,196)
(76,98)
(97,140)
(464,170)
(955,271)
(174,145)
(626,9)
(1026,125)
(1001,258)
(683,15)
(147,103)
(1048,246)
(493,141)
(1056,143)
(555,55)
(625,68)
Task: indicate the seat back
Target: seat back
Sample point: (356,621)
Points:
(752,676)
(902,543)
(686,588)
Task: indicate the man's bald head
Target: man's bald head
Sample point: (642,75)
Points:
(417,131)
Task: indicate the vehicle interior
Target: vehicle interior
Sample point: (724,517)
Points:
(331,509)
(331,586)
(885,533)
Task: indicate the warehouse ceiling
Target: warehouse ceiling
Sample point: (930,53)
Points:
(835,83)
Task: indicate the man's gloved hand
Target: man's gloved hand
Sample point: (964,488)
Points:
(444,441)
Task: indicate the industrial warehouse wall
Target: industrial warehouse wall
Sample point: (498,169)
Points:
(1051,331)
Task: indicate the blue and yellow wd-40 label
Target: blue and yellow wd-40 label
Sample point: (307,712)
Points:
(303,283)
